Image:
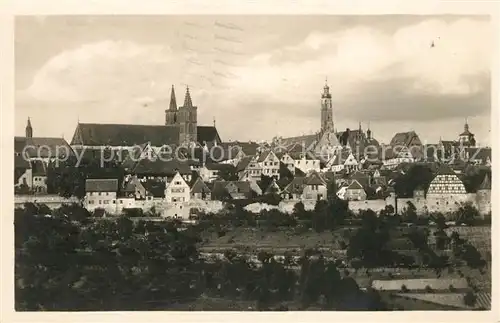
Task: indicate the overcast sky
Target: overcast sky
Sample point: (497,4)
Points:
(258,76)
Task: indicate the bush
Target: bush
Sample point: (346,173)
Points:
(470,299)
(404,289)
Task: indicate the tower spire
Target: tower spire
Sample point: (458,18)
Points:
(29,129)
(466,125)
(173,101)
(188,103)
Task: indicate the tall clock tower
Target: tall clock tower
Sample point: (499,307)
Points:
(326,109)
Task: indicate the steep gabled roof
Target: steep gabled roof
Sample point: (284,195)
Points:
(208,134)
(296,186)
(355,185)
(405,138)
(243,164)
(264,155)
(199,187)
(101,185)
(314,179)
(273,188)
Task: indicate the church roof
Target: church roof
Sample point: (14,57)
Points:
(486,184)
(42,147)
(207,134)
(99,134)
(21,162)
(95,134)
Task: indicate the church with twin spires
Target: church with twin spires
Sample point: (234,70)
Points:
(180,128)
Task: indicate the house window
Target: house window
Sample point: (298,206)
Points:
(100,201)
(121,201)
(114,202)
(106,202)
(90,193)
(91,202)
(99,195)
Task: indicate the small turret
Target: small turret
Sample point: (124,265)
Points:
(29,129)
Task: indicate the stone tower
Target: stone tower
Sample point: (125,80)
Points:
(29,129)
(171,113)
(326,109)
(188,120)
(483,196)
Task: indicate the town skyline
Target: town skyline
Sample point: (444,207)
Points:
(225,66)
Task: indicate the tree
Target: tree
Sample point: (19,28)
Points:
(410,212)
(416,176)
(467,213)
(470,299)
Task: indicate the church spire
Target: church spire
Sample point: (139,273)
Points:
(187,99)
(173,102)
(29,129)
(326,91)
(369,132)
(466,125)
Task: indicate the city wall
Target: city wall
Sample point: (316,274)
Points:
(52,201)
